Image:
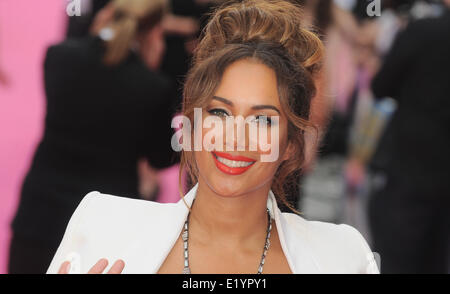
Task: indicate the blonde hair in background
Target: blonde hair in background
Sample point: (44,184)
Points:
(126,19)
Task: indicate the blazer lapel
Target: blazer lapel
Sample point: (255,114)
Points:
(168,229)
(293,239)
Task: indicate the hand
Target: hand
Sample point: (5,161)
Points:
(98,268)
(180,25)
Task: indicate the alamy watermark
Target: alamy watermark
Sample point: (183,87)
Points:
(73,8)
(373,8)
(262,135)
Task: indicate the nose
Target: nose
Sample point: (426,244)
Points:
(238,135)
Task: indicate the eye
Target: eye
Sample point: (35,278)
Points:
(218,112)
(264,119)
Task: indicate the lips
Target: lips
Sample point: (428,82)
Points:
(232,164)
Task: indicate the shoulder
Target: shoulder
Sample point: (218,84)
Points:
(73,54)
(337,248)
(116,227)
(121,208)
(426,29)
(145,81)
(322,230)
(73,47)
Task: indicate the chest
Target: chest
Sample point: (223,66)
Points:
(216,261)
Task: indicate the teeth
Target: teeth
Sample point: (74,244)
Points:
(233,163)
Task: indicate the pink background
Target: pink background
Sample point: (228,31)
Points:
(27,28)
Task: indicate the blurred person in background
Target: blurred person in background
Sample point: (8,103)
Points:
(107,107)
(181,27)
(318,17)
(321,187)
(354,43)
(409,217)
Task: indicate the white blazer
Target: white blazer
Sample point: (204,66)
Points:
(142,233)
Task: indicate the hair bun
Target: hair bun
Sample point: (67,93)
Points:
(262,20)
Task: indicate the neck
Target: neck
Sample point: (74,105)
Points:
(235,221)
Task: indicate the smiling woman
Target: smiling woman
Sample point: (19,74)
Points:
(256,60)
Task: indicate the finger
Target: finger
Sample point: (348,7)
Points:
(117,267)
(99,267)
(64,269)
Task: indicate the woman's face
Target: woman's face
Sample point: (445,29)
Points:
(248,89)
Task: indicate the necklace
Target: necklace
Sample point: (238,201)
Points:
(185,237)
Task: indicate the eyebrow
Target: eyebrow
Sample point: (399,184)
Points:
(254,107)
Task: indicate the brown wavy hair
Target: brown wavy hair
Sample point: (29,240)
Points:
(272,33)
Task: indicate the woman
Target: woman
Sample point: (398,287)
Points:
(104,98)
(255,61)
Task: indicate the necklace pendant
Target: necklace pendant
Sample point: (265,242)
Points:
(184,236)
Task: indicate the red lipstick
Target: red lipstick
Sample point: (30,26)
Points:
(228,169)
